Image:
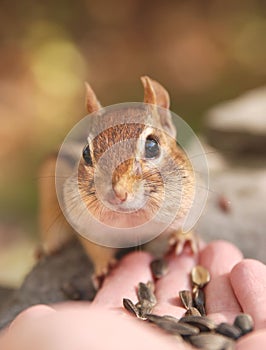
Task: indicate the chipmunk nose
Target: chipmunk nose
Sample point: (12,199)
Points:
(120,192)
(117,196)
(123,181)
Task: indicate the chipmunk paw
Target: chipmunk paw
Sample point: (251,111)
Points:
(179,240)
(101,272)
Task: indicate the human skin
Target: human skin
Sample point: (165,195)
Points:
(236,285)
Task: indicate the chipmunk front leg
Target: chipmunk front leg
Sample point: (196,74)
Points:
(179,239)
(103,259)
(56,231)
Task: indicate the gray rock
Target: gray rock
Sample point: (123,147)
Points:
(63,276)
(239,125)
(5,294)
(236,209)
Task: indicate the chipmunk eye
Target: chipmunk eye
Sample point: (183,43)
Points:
(152,148)
(86,154)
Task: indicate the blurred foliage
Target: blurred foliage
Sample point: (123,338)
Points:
(202,51)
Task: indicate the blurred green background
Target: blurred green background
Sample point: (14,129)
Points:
(202,51)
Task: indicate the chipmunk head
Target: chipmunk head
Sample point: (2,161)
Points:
(131,162)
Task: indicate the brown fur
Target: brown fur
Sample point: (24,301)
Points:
(127,176)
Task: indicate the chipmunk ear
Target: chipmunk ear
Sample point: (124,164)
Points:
(92,103)
(155,93)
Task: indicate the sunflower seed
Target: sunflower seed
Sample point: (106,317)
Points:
(210,341)
(186,298)
(194,327)
(244,322)
(146,292)
(151,286)
(171,318)
(230,346)
(144,308)
(172,326)
(157,319)
(200,276)
(154,318)
(129,306)
(229,330)
(192,311)
(159,267)
(203,323)
(199,300)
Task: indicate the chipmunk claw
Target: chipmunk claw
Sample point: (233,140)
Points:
(101,272)
(179,240)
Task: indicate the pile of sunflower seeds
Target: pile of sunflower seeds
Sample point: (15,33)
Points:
(194,327)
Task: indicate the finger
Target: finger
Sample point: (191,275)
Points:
(15,336)
(123,280)
(248,280)
(177,279)
(219,258)
(32,313)
(254,340)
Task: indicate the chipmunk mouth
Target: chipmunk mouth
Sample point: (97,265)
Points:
(125,202)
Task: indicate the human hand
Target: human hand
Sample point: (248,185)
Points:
(236,286)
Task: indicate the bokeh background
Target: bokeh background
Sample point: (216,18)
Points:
(204,52)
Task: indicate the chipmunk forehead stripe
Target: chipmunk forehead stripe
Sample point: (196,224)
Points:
(111,136)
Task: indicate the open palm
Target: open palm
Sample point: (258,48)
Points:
(236,286)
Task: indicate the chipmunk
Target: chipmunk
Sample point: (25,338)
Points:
(131,190)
